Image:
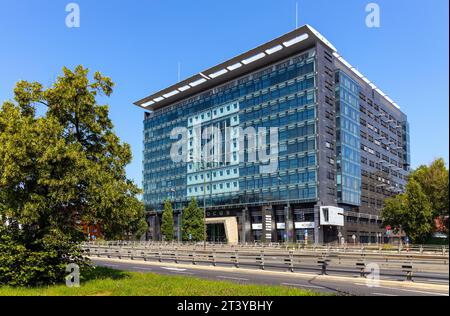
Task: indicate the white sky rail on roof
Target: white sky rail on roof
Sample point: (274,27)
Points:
(261,55)
(273,50)
(197,82)
(234,67)
(321,37)
(184,88)
(170,94)
(296,40)
(148,103)
(360,75)
(253,58)
(218,73)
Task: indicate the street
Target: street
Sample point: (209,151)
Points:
(335,283)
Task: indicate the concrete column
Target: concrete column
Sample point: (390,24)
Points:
(318,234)
(289,229)
(245,225)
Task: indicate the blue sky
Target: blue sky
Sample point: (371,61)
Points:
(139,44)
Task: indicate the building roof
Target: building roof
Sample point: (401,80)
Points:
(287,45)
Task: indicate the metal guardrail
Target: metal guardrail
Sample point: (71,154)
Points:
(318,258)
(367,248)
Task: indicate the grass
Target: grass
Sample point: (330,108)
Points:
(108,282)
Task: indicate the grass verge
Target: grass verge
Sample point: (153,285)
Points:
(108,282)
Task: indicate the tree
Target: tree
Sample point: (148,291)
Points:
(167,221)
(64,167)
(434,182)
(418,223)
(410,212)
(394,211)
(193,222)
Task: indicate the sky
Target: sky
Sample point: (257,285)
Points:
(140,43)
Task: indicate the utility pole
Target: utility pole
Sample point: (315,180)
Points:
(204,206)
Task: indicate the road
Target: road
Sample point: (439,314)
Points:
(336,282)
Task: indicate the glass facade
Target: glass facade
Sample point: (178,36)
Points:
(324,112)
(282,95)
(348,140)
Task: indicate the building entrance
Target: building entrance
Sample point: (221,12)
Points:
(216,232)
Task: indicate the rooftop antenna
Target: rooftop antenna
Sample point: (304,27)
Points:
(179,71)
(296,15)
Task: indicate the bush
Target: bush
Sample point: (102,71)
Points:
(42,262)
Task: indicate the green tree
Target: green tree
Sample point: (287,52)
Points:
(418,223)
(167,226)
(434,182)
(410,212)
(394,211)
(66,166)
(193,222)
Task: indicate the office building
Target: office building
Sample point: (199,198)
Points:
(342,146)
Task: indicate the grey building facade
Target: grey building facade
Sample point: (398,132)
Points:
(342,146)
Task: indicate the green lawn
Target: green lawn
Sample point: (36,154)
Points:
(108,282)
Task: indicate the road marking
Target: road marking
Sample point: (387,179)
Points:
(174,269)
(400,289)
(415,291)
(384,294)
(438,281)
(182,272)
(141,268)
(425,292)
(302,285)
(231,278)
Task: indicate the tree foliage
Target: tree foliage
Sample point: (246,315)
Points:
(40,262)
(66,166)
(425,199)
(193,222)
(167,226)
(433,180)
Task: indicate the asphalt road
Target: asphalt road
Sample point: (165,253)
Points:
(436,285)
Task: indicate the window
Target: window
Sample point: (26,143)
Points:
(326,214)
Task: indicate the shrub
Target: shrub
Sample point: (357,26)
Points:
(42,262)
